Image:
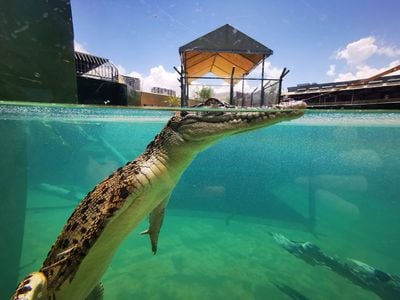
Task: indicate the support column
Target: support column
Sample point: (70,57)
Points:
(262,82)
(242,90)
(13,186)
(283,74)
(231,87)
(187,89)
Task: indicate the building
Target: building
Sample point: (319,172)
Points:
(378,93)
(37,51)
(97,81)
(163,91)
(132,82)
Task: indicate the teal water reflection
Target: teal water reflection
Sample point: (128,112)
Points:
(330,178)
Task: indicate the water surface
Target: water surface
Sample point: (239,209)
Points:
(330,178)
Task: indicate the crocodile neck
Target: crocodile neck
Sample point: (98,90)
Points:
(151,177)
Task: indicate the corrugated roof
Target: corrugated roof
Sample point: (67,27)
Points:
(221,50)
(95,66)
(91,61)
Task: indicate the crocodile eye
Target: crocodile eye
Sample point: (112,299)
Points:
(214,102)
(184,113)
(213,113)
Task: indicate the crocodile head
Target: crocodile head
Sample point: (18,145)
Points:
(221,120)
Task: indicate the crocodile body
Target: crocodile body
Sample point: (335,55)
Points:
(84,249)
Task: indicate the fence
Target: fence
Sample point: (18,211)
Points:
(244,92)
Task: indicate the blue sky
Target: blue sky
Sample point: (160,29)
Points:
(319,41)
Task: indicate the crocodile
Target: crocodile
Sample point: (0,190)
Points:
(103,219)
(383,284)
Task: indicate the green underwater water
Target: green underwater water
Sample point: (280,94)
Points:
(331,178)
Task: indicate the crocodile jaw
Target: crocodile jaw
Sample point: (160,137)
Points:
(209,126)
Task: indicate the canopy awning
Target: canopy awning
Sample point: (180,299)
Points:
(220,51)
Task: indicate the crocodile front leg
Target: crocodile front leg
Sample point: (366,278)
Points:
(97,293)
(156,219)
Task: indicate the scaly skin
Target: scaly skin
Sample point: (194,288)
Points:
(83,251)
(384,285)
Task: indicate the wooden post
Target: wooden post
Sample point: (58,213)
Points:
(183,80)
(181,84)
(187,89)
(262,82)
(251,96)
(283,74)
(231,89)
(242,90)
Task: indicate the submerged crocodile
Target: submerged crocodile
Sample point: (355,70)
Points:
(84,249)
(383,284)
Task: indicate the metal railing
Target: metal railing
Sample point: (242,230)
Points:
(238,91)
(94,66)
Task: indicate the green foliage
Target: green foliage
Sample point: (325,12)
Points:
(173,101)
(204,94)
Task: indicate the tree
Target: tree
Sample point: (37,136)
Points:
(173,101)
(203,94)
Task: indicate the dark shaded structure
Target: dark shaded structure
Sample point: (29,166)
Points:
(36,64)
(227,53)
(100,91)
(37,51)
(97,81)
(380,93)
(13,182)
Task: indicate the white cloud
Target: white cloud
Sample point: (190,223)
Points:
(161,78)
(248,86)
(269,71)
(359,51)
(121,70)
(345,77)
(135,74)
(356,55)
(394,64)
(365,71)
(389,51)
(158,77)
(332,71)
(221,88)
(79,47)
